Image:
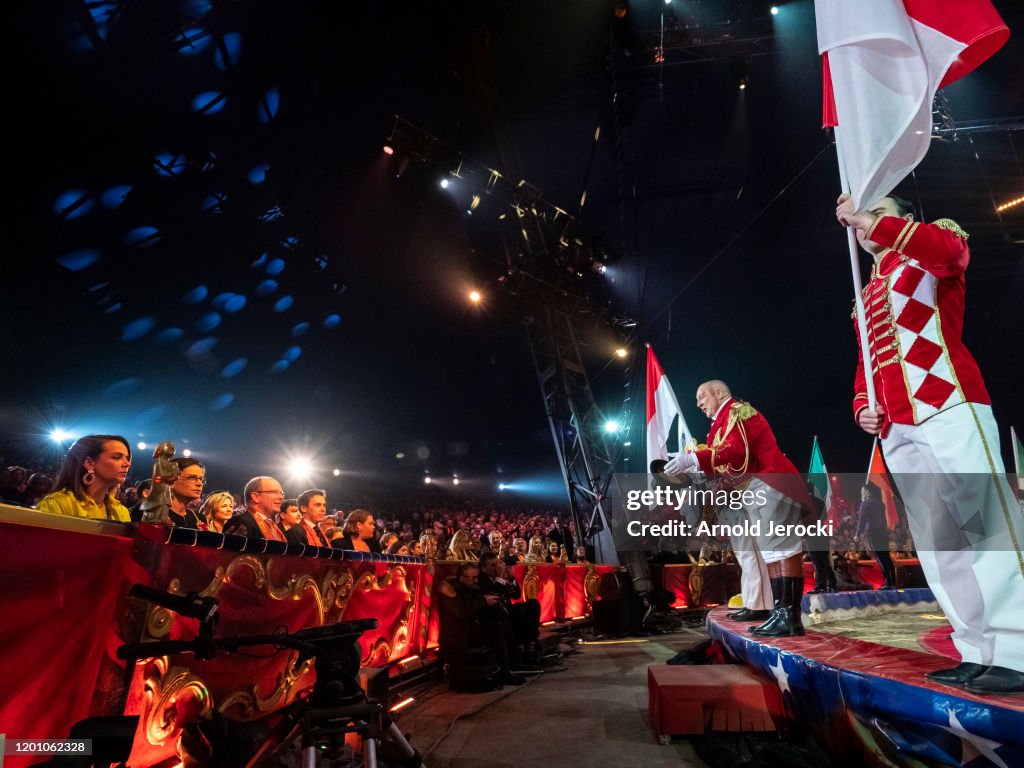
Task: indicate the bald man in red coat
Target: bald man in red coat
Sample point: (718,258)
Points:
(742,453)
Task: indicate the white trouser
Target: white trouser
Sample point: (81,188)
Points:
(779,510)
(755,584)
(967,527)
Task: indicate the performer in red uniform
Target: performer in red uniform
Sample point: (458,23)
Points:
(742,451)
(940,440)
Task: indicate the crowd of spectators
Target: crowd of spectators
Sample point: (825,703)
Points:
(92,482)
(411,524)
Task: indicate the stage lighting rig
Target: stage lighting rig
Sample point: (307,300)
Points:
(556,284)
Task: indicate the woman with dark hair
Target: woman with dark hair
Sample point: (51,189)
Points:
(359,533)
(88,480)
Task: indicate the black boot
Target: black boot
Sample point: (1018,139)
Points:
(786,620)
(959,675)
(997,680)
(777,597)
(746,614)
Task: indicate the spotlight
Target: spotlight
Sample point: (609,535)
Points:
(427,480)
(775,10)
(58,435)
(141,446)
(389,150)
(743,83)
(455,480)
(611,426)
(501,486)
(300,468)
(668,2)
(621,352)
(445,183)
(336,472)
(187,453)
(475,296)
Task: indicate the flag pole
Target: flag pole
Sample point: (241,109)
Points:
(862,325)
(1014,441)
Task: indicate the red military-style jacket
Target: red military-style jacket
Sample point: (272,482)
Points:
(914,304)
(741,442)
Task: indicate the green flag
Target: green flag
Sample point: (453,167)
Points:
(818,476)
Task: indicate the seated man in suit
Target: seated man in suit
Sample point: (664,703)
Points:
(496,579)
(469,619)
(313,506)
(263,497)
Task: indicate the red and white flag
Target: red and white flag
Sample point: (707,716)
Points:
(662,410)
(883,61)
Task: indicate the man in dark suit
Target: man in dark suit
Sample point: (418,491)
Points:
(470,618)
(496,578)
(263,497)
(313,506)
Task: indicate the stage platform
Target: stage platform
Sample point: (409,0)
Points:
(867,700)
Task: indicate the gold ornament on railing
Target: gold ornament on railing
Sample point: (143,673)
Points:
(531,582)
(696,581)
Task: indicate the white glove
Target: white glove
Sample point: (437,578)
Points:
(683,463)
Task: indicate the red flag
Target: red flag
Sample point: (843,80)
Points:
(883,61)
(662,409)
(828,99)
(877,475)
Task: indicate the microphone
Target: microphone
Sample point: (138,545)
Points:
(191,605)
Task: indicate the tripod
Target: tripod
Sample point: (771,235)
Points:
(336,706)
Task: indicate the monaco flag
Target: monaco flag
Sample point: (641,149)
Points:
(662,409)
(883,61)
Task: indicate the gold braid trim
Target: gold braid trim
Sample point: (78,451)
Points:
(907,228)
(904,240)
(871,229)
(952,226)
(738,413)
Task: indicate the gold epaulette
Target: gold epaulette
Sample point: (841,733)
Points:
(742,411)
(952,226)
(702,446)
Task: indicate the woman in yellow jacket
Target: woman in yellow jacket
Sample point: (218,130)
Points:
(95,467)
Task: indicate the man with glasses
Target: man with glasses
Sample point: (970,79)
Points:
(185,491)
(263,496)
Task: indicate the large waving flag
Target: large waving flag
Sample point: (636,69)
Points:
(878,476)
(662,410)
(883,61)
